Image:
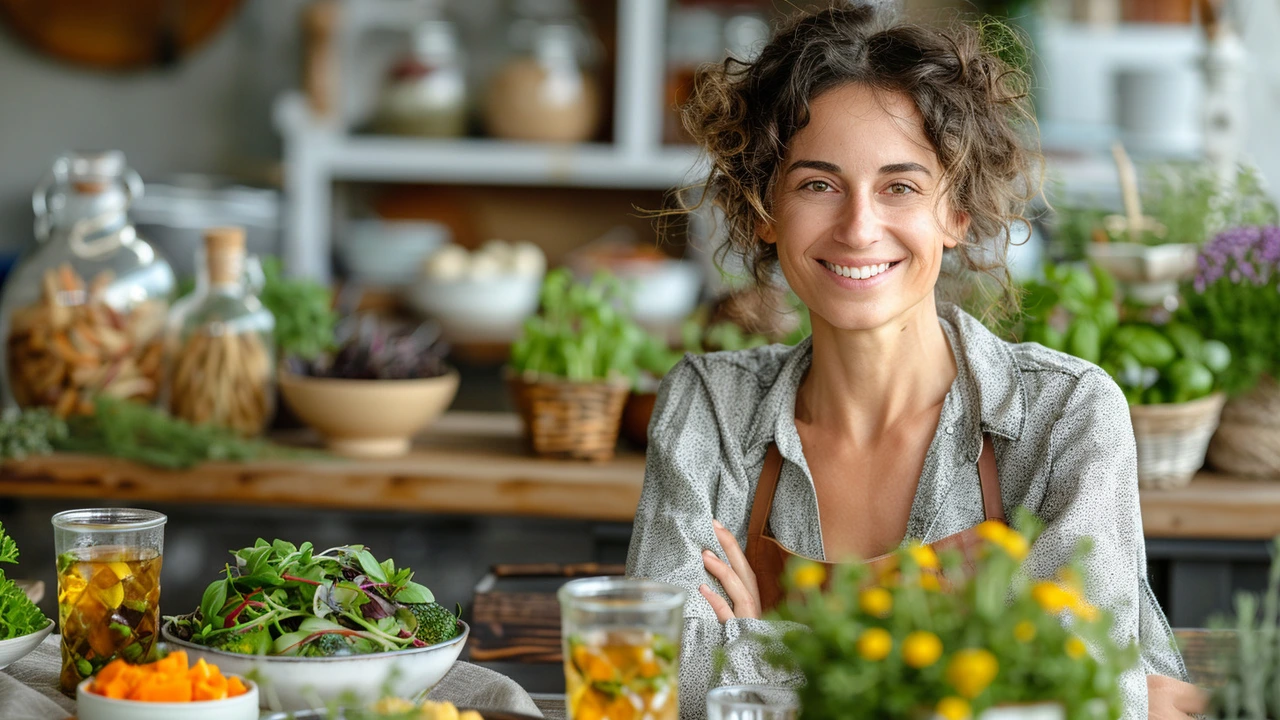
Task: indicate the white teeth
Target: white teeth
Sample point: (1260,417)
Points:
(857,273)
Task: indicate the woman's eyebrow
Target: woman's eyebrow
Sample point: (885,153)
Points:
(818,165)
(905,167)
(823,166)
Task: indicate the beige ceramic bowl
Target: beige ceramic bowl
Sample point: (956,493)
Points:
(368,418)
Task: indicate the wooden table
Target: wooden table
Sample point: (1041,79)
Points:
(476,463)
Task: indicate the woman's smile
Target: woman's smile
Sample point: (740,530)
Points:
(862,274)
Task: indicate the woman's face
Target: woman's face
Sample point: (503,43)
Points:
(858,215)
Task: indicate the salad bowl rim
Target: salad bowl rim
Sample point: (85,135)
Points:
(168,637)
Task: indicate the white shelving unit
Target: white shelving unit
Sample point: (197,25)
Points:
(318,152)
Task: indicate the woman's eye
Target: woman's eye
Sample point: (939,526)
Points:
(817,185)
(901,189)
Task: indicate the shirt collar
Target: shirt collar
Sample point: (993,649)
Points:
(988,383)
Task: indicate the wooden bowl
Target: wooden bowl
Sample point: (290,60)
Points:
(368,418)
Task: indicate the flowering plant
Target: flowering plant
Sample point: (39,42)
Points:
(1235,298)
(890,641)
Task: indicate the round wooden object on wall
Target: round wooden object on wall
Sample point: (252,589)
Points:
(116,34)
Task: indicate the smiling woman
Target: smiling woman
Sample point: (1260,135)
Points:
(879,166)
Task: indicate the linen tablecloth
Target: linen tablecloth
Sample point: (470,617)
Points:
(29,688)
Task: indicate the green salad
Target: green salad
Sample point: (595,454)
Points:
(18,615)
(281,599)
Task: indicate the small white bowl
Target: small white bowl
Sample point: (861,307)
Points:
(92,706)
(14,649)
(490,310)
(389,252)
(300,683)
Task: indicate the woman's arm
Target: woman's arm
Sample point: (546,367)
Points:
(1093,493)
(684,471)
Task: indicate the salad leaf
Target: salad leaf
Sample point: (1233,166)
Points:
(18,615)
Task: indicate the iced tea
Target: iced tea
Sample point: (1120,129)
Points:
(108,606)
(621,675)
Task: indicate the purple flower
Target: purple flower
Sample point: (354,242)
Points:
(1243,254)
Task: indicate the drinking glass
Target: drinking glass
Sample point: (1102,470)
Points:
(752,702)
(621,641)
(108,587)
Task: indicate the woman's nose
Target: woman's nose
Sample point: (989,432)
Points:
(860,225)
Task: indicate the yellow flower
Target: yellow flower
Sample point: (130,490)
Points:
(809,576)
(1024,632)
(971,671)
(874,644)
(1051,596)
(876,601)
(1075,648)
(930,582)
(924,556)
(953,708)
(921,649)
(1002,536)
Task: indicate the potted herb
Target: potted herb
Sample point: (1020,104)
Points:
(1171,375)
(1244,654)
(883,641)
(1235,296)
(573,365)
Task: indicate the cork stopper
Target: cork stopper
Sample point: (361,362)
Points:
(224,254)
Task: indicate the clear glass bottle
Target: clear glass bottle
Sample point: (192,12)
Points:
(84,311)
(220,345)
(426,92)
(547,89)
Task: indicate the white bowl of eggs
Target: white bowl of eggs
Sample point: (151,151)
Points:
(482,295)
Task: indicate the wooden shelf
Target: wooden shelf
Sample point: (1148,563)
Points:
(468,463)
(476,464)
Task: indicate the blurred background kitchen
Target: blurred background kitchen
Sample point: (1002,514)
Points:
(354,139)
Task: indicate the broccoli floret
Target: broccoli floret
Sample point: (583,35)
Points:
(255,641)
(329,644)
(435,624)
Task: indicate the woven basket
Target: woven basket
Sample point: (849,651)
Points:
(1248,439)
(570,419)
(1172,439)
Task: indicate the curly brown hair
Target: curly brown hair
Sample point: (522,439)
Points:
(974,107)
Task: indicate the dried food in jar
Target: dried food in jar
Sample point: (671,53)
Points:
(72,345)
(223,379)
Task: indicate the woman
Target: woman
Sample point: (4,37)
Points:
(867,161)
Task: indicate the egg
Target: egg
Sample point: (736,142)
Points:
(527,259)
(484,266)
(450,262)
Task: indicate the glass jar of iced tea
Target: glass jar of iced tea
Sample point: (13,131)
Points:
(108,587)
(621,642)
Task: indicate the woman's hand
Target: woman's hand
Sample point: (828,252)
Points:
(737,578)
(1169,699)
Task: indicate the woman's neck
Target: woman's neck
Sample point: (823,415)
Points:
(863,382)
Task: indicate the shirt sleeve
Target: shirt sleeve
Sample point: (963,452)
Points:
(1093,493)
(684,467)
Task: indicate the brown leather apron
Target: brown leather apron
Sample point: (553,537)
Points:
(768,558)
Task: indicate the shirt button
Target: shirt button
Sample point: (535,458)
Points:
(951,430)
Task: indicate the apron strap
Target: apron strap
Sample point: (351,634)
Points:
(992,503)
(763,503)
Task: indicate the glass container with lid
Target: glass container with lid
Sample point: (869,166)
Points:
(426,93)
(547,89)
(84,310)
(220,346)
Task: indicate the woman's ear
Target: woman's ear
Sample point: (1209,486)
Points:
(957,229)
(765,231)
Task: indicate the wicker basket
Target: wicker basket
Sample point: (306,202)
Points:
(1248,439)
(569,419)
(1172,439)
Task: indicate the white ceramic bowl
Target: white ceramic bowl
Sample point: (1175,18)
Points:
(92,706)
(13,650)
(389,252)
(297,683)
(489,310)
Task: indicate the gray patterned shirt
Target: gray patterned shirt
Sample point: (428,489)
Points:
(1064,449)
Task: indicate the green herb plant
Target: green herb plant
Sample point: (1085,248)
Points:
(282,599)
(18,615)
(1076,310)
(581,331)
(1249,688)
(888,641)
(303,310)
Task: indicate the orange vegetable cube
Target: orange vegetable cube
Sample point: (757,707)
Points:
(235,687)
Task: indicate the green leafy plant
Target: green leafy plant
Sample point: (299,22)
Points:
(1235,297)
(282,599)
(1076,310)
(33,431)
(18,615)
(303,310)
(885,641)
(579,332)
(1249,688)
